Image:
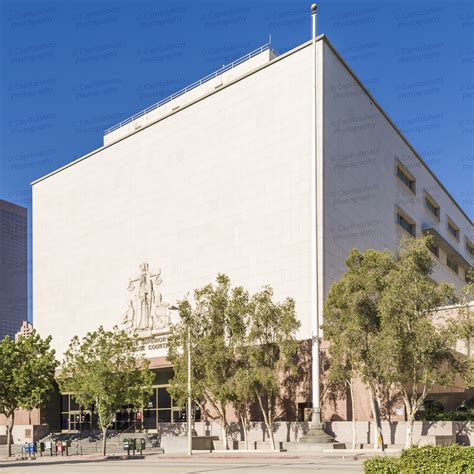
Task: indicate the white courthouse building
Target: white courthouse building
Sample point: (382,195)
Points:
(219,178)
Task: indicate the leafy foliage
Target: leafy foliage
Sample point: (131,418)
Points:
(240,346)
(379,318)
(271,350)
(454,459)
(26,375)
(352,322)
(414,351)
(106,371)
(216,323)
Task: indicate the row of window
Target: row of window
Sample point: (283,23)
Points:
(409,226)
(433,207)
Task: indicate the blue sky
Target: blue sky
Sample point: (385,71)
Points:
(70,69)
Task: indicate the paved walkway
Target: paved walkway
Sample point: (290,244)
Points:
(293,463)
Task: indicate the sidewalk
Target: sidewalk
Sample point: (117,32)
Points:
(237,455)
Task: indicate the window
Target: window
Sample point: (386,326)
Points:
(453,229)
(406,223)
(432,205)
(406,177)
(453,266)
(434,250)
(469,247)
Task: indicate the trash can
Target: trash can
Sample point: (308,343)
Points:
(129,445)
(140,444)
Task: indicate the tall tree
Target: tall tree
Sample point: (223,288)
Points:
(352,324)
(272,346)
(242,397)
(215,321)
(106,370)
(26,376)
(414,351)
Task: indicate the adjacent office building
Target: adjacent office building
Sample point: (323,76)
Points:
(220,177)
(13,268)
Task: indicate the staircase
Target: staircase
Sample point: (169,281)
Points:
(90,443)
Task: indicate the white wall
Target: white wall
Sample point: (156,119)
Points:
(361,189)
(221,186)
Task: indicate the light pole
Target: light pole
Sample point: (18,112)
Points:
(316,434)
(189,417)
(189,401)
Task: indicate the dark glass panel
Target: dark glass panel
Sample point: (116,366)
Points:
(149,420)
(73,404)
(64,421)
(64,402)
(164,398)
(164,416)
(163,376)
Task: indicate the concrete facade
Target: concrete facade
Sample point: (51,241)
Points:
(13,268)
(219,180)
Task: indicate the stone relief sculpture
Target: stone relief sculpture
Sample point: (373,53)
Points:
(146,310)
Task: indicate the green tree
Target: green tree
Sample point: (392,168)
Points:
(352,325)
(271,349)
(26,376)
(216,322)
(106,370)
(414,351)
(242,396)
(464,325)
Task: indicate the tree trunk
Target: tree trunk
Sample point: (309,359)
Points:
(245,428)
(266,419)
(10,433)
(104,441)
(270,432)
(354,427)
(225,441)
(378,437)
(410,423)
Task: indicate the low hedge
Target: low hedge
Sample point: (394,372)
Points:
(453,459)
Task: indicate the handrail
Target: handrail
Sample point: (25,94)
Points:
(190,87)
